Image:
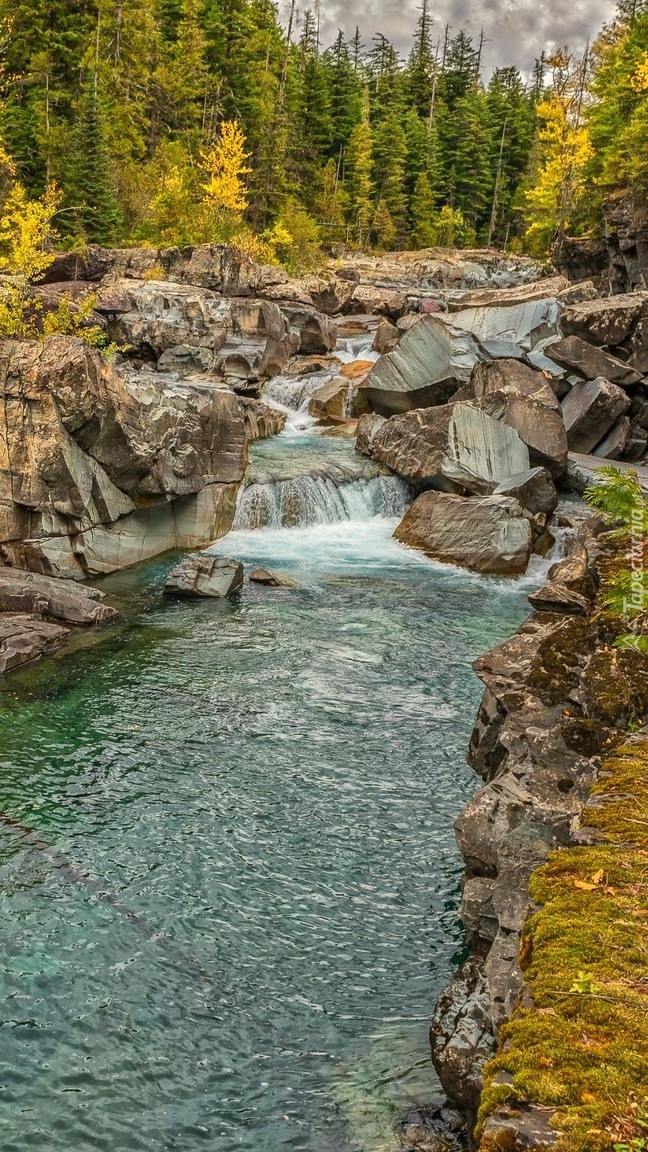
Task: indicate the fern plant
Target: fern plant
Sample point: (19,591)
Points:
(620,498)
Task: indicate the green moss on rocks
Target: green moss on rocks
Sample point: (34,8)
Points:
(578,1045)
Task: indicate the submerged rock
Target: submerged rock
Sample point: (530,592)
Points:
(270,579)
(204,576)
(490,535)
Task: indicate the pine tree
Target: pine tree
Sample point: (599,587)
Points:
(423,211)
(421,66)
(90,190)
(359,169)
(390,160)
(383,228)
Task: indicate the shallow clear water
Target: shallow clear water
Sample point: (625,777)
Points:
(250,900)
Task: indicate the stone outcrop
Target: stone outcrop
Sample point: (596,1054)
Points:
(456,447)
(204,576)
(102,466)
(557,695)
(491,535)
(333,402)
(24,638)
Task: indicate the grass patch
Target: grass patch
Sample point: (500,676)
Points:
(583,1046)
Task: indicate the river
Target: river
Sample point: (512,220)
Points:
(237,902)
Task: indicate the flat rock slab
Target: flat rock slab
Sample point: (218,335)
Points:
(24,638)
(204,576)
(67,600)
(490,535)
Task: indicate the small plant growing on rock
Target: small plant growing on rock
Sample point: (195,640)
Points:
(619,497)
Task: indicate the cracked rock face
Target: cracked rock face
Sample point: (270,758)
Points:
(102,465)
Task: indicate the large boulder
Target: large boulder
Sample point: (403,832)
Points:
(511,376)
(539,427)
(534,489)
(332,403)
(457,447)
(489,535)
(619,322)
(590,361)
(425,369)
(589,411)
(524,324)
(102,466)
(204,576)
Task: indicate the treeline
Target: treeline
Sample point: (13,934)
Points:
(186,121)
(119,103)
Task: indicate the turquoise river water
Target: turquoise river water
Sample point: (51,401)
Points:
(229,925)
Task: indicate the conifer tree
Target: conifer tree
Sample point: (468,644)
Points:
(423,211)
(90,191)
(359,170)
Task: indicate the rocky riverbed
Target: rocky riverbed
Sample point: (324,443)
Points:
(477,391)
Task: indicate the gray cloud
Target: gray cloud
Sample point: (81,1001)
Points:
(516,30)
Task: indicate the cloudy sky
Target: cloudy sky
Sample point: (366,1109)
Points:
(516,30)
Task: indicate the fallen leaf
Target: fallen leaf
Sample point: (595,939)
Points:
(584,885)
(598,876)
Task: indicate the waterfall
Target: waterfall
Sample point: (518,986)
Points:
(292,394)
(309,499)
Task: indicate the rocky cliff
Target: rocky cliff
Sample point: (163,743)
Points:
(557,698)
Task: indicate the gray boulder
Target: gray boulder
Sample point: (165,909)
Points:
(425,369)
(512,376)
(539,427)
(456,447)
(589,411)
(490,535)
(386,337)
(524,324)
(534,489)
(613,446)
(609,321)
(590,362)
(204,576)
(369,424)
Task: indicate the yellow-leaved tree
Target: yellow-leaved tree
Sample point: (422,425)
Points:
(27,233)
(224,193)
(564,149)
(26,230)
